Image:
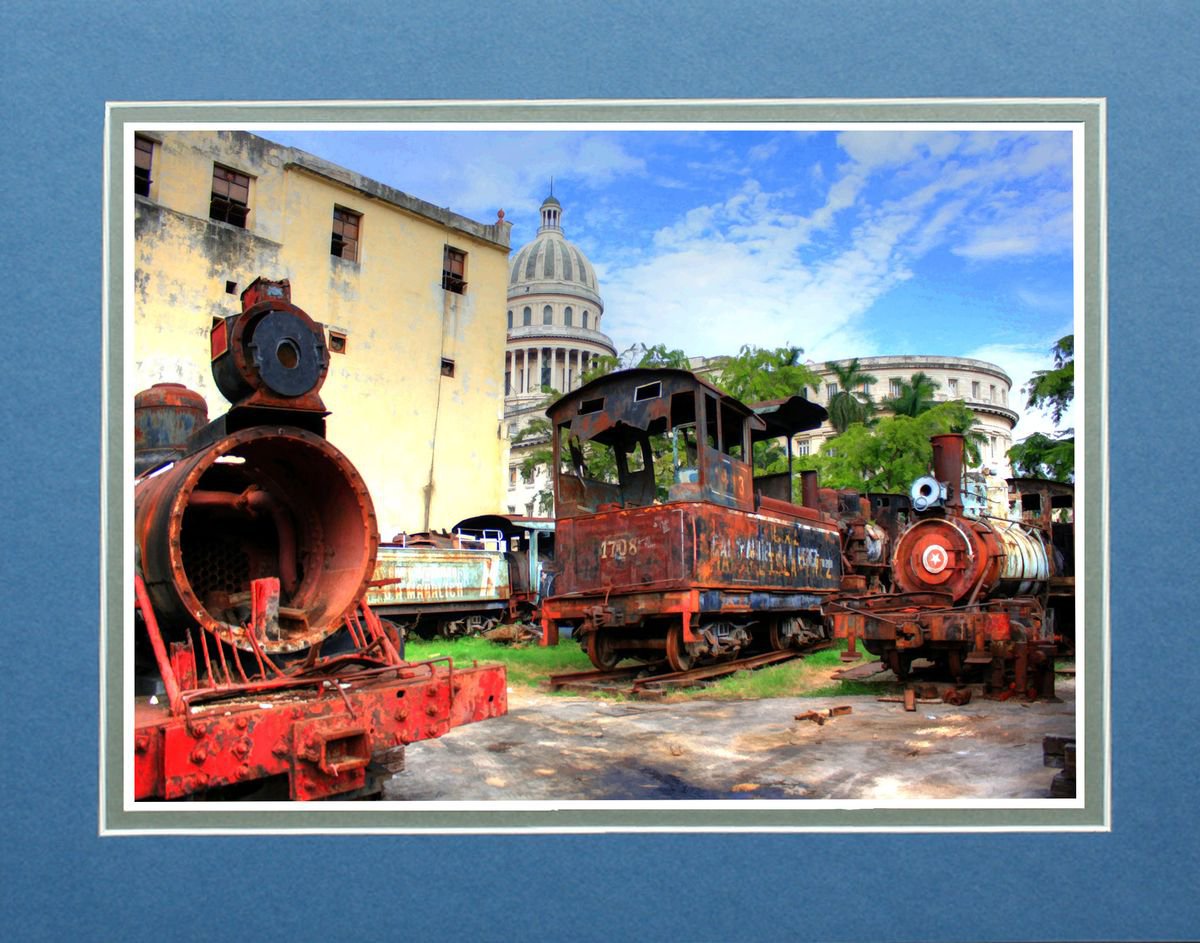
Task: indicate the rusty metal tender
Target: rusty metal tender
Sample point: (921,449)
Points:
(667,544)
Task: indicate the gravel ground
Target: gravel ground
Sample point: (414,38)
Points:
(551,748)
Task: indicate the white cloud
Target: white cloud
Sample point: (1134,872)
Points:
(757,267)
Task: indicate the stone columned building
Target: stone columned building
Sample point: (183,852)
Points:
(554,313)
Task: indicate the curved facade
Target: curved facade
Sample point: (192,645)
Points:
(554,313)
(982,386)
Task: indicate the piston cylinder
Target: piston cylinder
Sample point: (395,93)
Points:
(267,501)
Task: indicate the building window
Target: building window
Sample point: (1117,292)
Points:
(953,381)
(992,394)
(507,383)
(975,389)
(510,320)
(803,446)
(454,270)
(230,197)
(337,342)
(568,316)
(831,389)
(344,243)
(447,367)
(585,319)
(512,476)
(547,315)
(143,157)
(895,385)
(527,317)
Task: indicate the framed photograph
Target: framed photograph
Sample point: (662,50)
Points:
(328,326)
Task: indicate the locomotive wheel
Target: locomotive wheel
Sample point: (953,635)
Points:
(776,638)
(601,651)
(678,657)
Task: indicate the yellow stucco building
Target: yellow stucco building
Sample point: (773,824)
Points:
(412,297)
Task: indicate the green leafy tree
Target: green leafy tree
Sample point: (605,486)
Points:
(850,404)
(1039,455)
(1055,388)
(893,452)
(757,374)
(915,396)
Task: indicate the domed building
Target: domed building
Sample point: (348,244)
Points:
(554,313)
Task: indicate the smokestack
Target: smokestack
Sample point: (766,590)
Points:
(948,465)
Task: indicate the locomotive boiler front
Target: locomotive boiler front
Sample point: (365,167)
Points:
(971,559)
(259,493)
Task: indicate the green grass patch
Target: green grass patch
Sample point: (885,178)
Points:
(528,665)
(531,665)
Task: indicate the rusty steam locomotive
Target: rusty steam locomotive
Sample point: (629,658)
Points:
(259,664)
(974,592)
(726,561)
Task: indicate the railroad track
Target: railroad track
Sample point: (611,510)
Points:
(651,681)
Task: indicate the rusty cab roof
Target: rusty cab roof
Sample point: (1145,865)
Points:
(640,398)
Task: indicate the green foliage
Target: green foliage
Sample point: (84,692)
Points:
(758,375)
(1039,455)
(895,451)
(915,396)
(1055,388)
(850,404)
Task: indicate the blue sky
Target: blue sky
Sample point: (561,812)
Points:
(844,243)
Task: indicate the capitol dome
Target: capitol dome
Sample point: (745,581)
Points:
(554,339)
(551,263)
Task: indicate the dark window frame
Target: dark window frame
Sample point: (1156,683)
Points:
(230,200)
(454,270)
(142,165)
(346,234)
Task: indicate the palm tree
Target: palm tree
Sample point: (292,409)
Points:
(851,403)
(915,396)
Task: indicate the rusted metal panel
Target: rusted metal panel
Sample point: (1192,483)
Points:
(694,544)
(321,742)
(735,548)
(418,576)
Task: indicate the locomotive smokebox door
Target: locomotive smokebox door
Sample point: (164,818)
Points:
(271,354)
